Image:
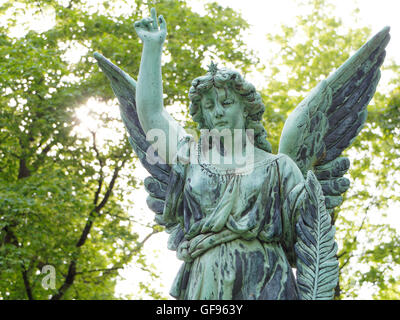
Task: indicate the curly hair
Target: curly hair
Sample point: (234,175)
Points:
(251,100)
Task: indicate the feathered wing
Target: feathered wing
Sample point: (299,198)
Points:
(329,119)
(157,185)
(314,136)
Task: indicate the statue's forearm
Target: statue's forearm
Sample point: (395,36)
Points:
(149,93)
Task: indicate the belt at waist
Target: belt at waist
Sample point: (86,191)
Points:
(188,250)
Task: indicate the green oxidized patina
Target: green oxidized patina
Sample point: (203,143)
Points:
(241,226)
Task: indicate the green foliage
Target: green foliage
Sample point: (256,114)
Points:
(64,185)
(381,260)
(308,52)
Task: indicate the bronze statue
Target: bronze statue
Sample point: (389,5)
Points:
(240,227)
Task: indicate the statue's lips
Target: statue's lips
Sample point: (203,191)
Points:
(221,123)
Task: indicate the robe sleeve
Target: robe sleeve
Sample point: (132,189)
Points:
(293,195)
(172,216)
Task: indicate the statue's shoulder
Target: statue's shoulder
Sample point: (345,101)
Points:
(288,166)
(263,158)
(262,155)
(281,159)
(286,160)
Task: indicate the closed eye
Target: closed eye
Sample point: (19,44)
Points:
(227,102)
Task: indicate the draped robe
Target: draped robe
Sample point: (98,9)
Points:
(234,229)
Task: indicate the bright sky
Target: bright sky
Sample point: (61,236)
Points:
(264,16)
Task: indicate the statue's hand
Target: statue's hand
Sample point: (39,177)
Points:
(148,31)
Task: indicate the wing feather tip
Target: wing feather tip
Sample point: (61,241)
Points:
(386,29)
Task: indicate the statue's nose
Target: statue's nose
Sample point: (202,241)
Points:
(219,110)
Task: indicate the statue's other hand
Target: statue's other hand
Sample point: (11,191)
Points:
(148,31)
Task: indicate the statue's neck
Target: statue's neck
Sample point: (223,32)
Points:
(236,150)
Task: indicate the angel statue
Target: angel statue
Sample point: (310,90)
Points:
(242,227)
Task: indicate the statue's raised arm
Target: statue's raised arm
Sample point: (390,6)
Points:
(149,92)
(142,110)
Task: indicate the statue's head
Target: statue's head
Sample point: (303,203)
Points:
(223,99)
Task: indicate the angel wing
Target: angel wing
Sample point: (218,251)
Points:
(314,136)
(328,120)
(162,177)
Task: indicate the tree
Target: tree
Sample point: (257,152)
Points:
(382,255)
(309,51)
(65,184)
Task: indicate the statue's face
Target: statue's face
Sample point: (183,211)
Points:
(222,109)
